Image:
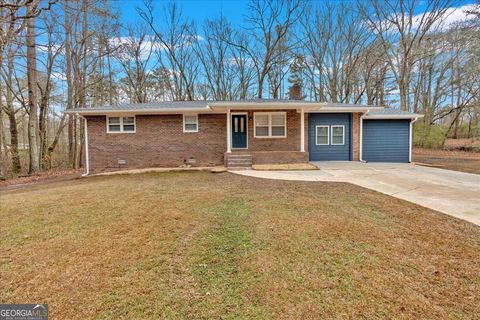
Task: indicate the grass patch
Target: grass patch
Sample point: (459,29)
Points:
(218,260)
(199,246)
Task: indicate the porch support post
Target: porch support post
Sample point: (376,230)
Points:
(229,132)
(302,130)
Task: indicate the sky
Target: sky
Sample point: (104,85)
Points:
(198,10)
(233,10)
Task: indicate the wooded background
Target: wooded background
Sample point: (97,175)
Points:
(61,55)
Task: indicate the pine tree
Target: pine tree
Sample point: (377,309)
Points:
(296,70)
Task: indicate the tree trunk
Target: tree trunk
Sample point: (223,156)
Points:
(51,148)
(10,110)
(16,166)
(260,87)
(68,74)
(3,146)
(32,91)
(403,88)
(42,127)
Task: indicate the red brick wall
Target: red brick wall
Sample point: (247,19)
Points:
(273,157)
(159,141)
(290,143)
(356,136)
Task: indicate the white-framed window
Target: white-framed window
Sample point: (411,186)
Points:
(322,135)
(121,124)
(338,135)
(270,124)
(190,123)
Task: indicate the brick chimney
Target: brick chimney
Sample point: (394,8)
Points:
(295,92)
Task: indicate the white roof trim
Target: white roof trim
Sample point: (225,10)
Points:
(260,105)
(91,112)
(221,108)
(343,109)
(393,116)
(307,106)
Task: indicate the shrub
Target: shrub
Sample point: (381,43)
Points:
(426,136)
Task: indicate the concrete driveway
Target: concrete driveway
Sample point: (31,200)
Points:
(451,192)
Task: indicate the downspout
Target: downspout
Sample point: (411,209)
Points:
(411,140)
(87,160)
(360,147)
(229,131)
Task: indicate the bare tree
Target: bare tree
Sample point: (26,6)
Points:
(269,25)
(217,61)
(176,38)
(49,52)
(32,89)
(134,54)
(12,26)
(245,68)
(401,31)
(335,41)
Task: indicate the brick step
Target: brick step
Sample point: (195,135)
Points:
(239,165)
(240,156)
(240,161)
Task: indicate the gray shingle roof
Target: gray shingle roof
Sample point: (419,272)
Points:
(201,104)
(215,105)
(198,104)
(390,112)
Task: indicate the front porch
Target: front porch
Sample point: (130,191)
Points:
(244,158)
(275,136)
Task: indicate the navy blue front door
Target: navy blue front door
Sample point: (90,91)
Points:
(239,131)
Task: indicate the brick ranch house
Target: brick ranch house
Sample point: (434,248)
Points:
(239,133)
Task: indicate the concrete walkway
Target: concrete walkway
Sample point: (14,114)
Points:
(451,192)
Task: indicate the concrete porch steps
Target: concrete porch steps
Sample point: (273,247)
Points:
(239,161)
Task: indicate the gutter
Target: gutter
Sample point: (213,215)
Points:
(259,105)
(411,139)
(89,112)
(214,108)
(394,116)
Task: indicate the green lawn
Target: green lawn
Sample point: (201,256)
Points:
(201,245)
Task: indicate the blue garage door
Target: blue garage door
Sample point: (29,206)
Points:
(325,138)
(386,140)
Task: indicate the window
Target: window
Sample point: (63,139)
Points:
(261,125)
(190,123)
(270,125)
(128,124)
(239,123)
(338,135)
(114,124)
(278,125)
(121,124)
(322,135)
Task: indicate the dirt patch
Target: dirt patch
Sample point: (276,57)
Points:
(471,145)
(448,159)
(215,169)
(39,178)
